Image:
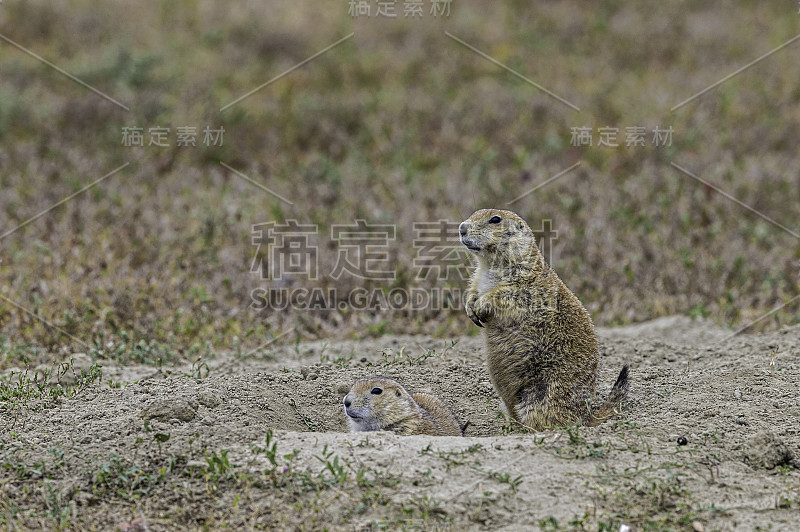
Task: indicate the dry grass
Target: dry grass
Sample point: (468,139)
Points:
(398,125)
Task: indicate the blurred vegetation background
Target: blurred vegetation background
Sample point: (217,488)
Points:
(397,125)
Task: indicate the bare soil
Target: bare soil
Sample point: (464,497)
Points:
(94,461)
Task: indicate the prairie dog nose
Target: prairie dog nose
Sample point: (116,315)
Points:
(347,401)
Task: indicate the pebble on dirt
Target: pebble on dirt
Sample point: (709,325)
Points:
(169,409)
(767,450)
(208,399)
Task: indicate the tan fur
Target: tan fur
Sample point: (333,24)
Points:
(542,348)
(395,410)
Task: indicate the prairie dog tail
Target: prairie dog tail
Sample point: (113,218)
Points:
(618,393)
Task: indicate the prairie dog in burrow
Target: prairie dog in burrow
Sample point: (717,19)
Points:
(381,403)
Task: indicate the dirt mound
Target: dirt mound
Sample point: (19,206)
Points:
(261,443)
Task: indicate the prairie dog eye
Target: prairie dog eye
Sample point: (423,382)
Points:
(376,391)
(495,220)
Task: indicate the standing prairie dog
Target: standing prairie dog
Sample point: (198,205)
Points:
(381,403)
(542,348)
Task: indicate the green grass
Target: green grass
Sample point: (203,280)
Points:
(651,495)
(18,388)
(225,485)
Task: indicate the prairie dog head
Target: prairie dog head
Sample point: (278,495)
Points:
(375,403)
(497,237)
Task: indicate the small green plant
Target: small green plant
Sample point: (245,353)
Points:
(509,425)
(505,478)
(218,464)
(218,469)
(122,478)
(270,449)
(341,360)
(549,524)
(278,475)
(200,369)
(699,311)
(304,418)
(159,439)
(401,358)
(426,507)
(56,508)
(126,348)
(336,468)
(13,460)
(452,458)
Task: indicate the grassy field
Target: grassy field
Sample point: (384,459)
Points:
(399,124)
